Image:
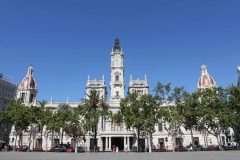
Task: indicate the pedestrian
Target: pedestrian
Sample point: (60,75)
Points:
(126,148)
(114,148)
(191,147)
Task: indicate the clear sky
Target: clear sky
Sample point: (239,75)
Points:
(65,40)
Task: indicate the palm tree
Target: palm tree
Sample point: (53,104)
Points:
(93,108)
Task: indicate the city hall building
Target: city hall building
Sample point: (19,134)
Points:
(108,133)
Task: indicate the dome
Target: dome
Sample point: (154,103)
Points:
(28,81)
(205,81)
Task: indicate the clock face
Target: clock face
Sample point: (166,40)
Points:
(117,63)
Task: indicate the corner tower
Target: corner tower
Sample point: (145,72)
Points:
(27,90)
(117,71)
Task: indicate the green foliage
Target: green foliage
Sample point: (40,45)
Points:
(63,116)
(162,93)
(131,110)
(52,124)
(19,116)
(75,127)
(139,113)
(3,117)
(92,109)
(233,94)
(148,114)
(213,114)
(117,118)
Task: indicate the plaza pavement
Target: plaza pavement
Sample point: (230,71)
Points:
(224,155)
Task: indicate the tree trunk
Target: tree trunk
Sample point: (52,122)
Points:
(173,143)
(219,142)
(52,141)
(21,137)
(46,142)
(76,145)
(149,143)
(62,137)
(95,138)
(192,136)
(15,142)
(41,138)
(30,139)
(138,149)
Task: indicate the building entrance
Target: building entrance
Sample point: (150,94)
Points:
(118,142)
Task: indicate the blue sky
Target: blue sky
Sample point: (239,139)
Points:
(65,40)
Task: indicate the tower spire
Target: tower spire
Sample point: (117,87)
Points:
(204,69)
(117,46)
(30,71)
(145,77)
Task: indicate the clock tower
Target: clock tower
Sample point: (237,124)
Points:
(117,71)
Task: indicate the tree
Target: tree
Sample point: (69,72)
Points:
(91,110)
(148,114)
(75,127)
(63,116)
(18,115)
(190,115)
(131,110)
(212,112)
(39,119)
(52,125)
(233,93)
(117,118)
(172,109)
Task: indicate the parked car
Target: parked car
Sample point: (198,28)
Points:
(180,149)
(22,148)
(70,149)
(212,148)
(58,148)
(231,146)
(80,149)
(199,148)
(37,150)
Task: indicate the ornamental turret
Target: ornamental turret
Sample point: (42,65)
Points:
(206,81)
(139,86)
(27,90)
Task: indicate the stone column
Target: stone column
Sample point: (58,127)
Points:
(128,141)
(125,141)
(110,143)
(106,143)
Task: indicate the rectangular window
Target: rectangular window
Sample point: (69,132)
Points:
(38,143)
(160,127)
(161,143)
(179,142)
(31,98)
(117,78)
(23,97)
